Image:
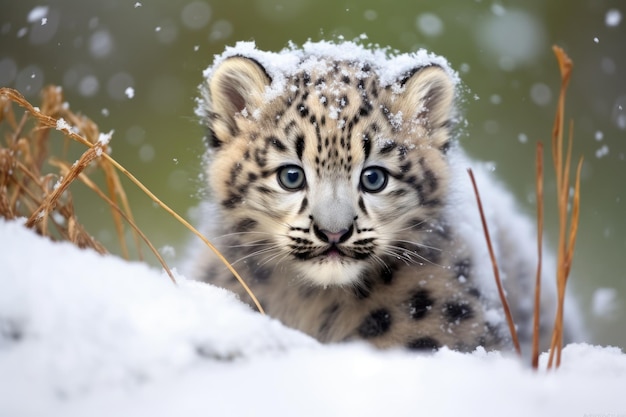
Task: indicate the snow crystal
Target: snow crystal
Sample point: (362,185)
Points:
(370,15)
(196,15)
(130,92)
(101,43)
(138,4)
(604,303)
(146,153)
(221,29)
(596,40)
(495,99)
(167,32)
(498,9)
(598,135)
(22,32)
(37,13)
(105,138)
(429,24)
(613,18)
(541,94)
(118,85)
(602,151)
(88,86)
(512,37)
(522,137)
(168,251)
(396,120)
(618,114)
(63,125)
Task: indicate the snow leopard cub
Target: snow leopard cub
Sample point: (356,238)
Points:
(341,197)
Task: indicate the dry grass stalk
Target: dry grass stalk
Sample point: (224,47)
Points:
(537,309)
(33,149)
(567,235)
(45,199)
(496,272)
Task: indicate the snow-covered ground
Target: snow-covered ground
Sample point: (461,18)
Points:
(89,335)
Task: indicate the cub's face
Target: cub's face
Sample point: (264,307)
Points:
(337,175)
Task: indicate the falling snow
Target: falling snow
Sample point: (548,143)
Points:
(613,18)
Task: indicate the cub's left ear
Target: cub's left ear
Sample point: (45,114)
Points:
(428,96)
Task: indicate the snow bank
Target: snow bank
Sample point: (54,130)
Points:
(84,334)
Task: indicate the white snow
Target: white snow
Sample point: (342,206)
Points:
(84,334)
(63,125)
(130,92)
(389,65)
(602,151)
(105,138)
(605,303)
(37,13)
(613,18)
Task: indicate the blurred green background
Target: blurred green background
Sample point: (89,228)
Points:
(97,49)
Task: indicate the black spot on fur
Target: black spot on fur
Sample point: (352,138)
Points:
(345,79)
(232,201)
(212,139)
(376,324)
(387,147)
(367,145)
(364,288)
(424,344)
(304,111)
(407,75)
(245,225)
(260,157)
(462,268)
(386,275)
(362,205)
(303,206)
(262,276)
(458,311)
(420,304)
(276,143)
(474,292)
(300,146)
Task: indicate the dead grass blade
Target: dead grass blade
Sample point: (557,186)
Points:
(496,272)
(567,236)
(537,307)
(25,189)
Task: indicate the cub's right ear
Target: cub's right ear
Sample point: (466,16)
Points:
(236,84)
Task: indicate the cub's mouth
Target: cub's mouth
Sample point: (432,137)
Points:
(333,252)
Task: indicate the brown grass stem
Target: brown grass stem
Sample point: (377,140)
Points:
(537,307)
(494,263)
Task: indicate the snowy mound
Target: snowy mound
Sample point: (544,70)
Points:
(83,334)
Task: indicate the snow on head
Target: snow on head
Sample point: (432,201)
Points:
(388,65)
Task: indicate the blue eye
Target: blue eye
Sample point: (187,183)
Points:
(373,179)
(291,177)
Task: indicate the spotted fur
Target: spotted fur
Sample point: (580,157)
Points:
(333,202)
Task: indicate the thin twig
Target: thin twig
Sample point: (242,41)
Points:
(496,273)
(537,310)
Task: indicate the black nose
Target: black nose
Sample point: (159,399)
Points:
(333,237)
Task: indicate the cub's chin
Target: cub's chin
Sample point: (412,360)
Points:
(336,272)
